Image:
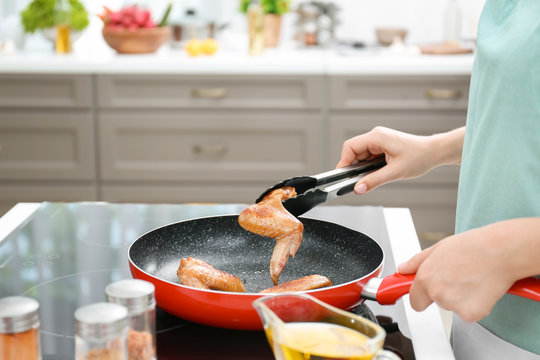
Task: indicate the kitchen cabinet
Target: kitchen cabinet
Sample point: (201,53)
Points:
(422,105)
(221,139)
(45,91)
(47,143)
(399,92)
(207,146)
(209,92)
(206,139)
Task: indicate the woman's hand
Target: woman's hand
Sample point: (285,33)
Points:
(469,272)
(407,156)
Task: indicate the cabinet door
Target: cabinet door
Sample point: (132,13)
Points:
(190,192)
(45,91)
(46,145)
(243,92)
(345,125)
(208,146)
(399,92)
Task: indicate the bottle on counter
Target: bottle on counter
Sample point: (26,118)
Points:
(19,329)
(452,23)
(255,17)
(101,332)
(137,296)
(62,15)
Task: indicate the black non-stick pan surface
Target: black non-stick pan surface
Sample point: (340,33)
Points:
(328,249)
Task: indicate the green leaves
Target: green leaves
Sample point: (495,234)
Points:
(277,7)
(40,15)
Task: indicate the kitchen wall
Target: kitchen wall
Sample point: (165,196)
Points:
(423,18)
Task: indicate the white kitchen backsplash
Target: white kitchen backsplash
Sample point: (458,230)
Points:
(423,18)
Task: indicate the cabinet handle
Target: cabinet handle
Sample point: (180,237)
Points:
(217,149)
(443,94)
(216,93)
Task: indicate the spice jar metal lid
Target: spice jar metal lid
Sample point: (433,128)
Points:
(136,295)
(18,314)
(101,321)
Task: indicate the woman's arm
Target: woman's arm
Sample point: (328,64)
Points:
(407,156)
(469,272)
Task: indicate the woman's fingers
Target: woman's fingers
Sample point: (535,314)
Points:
(411,266)
(377,178)
(418,295)
(460,273)
(362,147)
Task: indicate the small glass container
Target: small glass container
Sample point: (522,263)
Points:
(101,332)
(19,329)
(138,298)
(62,15)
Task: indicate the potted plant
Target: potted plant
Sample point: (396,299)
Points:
(273,10)
(40,15)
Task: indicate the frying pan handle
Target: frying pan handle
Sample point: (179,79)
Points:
(393,287)
(527,288)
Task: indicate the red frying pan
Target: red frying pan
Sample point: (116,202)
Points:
(349,258)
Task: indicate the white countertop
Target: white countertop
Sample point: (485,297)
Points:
(273,62)
(392,228)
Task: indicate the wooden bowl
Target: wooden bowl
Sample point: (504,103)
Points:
(386,36)
(139,41)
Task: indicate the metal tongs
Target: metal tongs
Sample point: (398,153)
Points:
(308,195)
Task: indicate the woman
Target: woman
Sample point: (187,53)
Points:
(497,238)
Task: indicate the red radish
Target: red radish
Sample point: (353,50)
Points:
(141,17)
(129,10)
(150,24)
(130,17)
(115,17)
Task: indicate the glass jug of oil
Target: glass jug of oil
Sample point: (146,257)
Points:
(301,327)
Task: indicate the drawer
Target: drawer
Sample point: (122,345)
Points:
(166,146)
(48,91)
(346,126)
(46,146)
(404,194)
(11,194)
(399,92)
(433,208)
(192,192)
(282,92)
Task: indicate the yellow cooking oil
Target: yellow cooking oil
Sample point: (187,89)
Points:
(255,17)
(63,43)
(62,19)
(320,341)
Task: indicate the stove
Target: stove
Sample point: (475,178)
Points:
(65,254)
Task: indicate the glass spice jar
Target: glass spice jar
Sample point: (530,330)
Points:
(101,332)
(19,329)
(138,298)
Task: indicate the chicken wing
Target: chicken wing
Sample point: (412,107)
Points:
(269,218)
(199,274)
(306,283)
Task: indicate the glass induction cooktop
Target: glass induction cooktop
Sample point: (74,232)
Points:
(67,253)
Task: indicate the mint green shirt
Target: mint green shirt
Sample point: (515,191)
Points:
(500,171)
